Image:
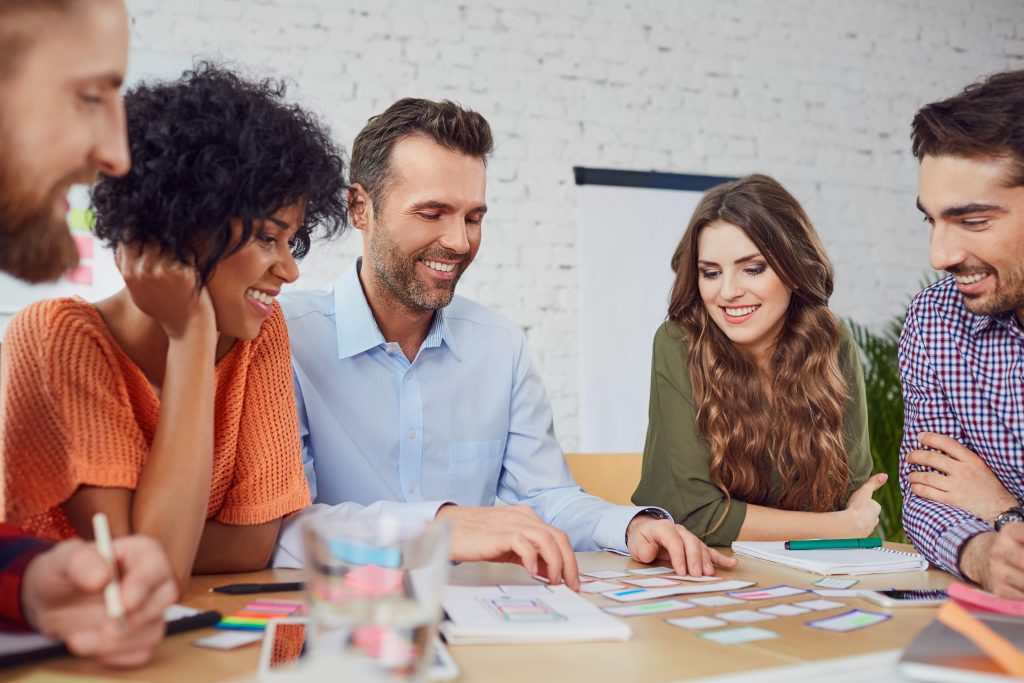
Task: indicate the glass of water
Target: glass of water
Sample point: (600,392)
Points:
(374,586)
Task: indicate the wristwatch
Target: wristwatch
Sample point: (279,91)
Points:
(1014,514)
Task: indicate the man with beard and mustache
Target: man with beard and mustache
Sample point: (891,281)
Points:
(61,122)
(962,348)
(419,404)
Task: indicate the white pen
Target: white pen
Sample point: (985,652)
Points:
(105,546)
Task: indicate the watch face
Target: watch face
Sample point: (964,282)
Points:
(1011,515)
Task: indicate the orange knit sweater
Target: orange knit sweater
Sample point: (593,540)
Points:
(76,411)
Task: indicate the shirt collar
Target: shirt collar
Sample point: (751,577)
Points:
(981,323)
(357,329)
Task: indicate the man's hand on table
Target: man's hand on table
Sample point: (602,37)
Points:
(960,478)
(511,533)
(996,561)
(649,538)
(62,596)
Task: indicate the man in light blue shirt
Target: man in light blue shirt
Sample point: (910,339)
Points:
(423,405)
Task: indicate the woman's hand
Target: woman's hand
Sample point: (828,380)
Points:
(861,513)
(165,289)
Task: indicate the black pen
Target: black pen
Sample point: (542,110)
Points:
(244,588)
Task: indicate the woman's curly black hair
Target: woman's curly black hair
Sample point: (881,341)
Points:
(210,147)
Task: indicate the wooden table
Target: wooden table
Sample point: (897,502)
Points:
(658,651)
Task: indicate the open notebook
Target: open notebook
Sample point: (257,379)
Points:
(827,562)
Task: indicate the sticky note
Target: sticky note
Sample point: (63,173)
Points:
(819,605)
(744,616)
(229,641)
(768,593)
(650,582)
(784,610)
(649,608)
(834,582)
(715,601)
(605,574)
(651,571)
(849,621)
(735,636)
(695,623)
(600,587)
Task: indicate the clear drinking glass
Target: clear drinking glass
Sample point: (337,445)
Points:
(374,587)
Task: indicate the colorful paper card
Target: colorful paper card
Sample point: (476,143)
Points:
(736,636)
(745,616)
(695,579)
(834,582)
(600,587)
(767,593)
(605,574)
(784,610)
(715,601)
(696,623)
(819,605)
(837,592)
(650,582)
(651,571)
(638,594)
(649,608)
(849,621)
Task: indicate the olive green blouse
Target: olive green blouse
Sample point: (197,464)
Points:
(676,469)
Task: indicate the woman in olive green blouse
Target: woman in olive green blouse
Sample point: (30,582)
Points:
(758,421)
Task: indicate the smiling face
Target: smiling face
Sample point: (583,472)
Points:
(977,229)
(426,233)
(743,295)
(243,286)
(61,122)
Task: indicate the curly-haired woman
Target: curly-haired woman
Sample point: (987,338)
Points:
(758,421)
(169,406)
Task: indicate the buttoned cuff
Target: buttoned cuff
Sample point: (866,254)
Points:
(610,533)
(949,544)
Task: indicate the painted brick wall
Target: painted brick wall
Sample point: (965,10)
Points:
(818,94)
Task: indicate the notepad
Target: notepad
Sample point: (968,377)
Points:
(828,562)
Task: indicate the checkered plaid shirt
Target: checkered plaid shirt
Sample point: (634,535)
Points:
(962,376)
(16,551)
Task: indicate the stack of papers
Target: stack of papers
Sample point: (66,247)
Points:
(845,561)
(524,614)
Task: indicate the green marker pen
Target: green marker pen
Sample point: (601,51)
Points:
(834,544)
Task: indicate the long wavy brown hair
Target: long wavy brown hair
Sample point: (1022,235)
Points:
(796,428)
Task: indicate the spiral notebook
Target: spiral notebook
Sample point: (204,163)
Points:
(828,562)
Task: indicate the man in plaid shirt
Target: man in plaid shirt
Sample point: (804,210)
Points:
(962,349)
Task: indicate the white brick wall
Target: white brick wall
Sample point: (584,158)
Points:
(818,94)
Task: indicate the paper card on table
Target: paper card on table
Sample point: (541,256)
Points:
(715,601)
(695,623)
(649,608)
(600,587)
(819,605)
(735,636)
(638,594)
(531,590)
(849,621)
(229,641)
(744,616)
(650,582)
(834,582)
(837,592)
(605,574)
(695,579)
(784,610)
(651,571)
(768,593)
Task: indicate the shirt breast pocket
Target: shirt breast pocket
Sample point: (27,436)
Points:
(474,471)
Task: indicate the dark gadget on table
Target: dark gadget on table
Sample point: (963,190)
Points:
(912,597)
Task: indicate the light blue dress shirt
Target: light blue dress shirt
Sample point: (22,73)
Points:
(467,421)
